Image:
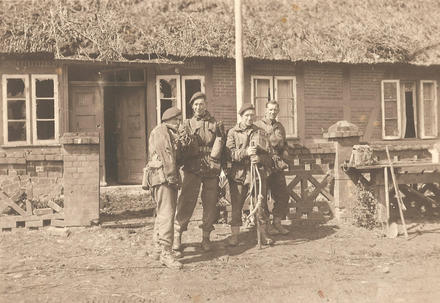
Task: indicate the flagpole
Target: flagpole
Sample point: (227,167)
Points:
(239,70)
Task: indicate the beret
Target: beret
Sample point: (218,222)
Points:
(171,113)
(197,95)
(245,107)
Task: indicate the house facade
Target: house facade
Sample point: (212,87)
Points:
(44,98)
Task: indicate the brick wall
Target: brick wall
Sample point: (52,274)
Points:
(223,105)
(81,178)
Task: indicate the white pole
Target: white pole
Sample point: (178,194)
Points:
(239,72)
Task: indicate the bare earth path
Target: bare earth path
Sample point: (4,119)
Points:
(313,264)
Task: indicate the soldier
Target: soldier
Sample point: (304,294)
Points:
(163,179)
(201,165)
(241,155)
(276,181)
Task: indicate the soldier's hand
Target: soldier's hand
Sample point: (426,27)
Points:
(251,150)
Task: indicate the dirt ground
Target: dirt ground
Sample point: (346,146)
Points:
(315,263)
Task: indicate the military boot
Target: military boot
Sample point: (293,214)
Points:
(167,258)
(265,238)
(272,230)
(154,253)
(277,225)
(233,239)
(206,243)
(177,242)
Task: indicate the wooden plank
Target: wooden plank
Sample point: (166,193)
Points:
(28,207)
(37,223)
(57,223)
(6,200)
(7,224)
(54,206)
(43,211)
(30,218)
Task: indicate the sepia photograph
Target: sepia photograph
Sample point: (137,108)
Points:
(219,151)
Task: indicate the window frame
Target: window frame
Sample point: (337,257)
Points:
(273,87)
(202,88)
(178,96)
(399,113)
(295,105)
(422,110)
(6,141)
(53,77)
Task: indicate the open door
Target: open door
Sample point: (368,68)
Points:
(131,137)
(86,115)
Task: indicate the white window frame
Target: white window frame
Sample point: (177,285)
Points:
(24,77)
(53,77)
(273,88)
(422,111)
(295,105)
(178,96)
(399,118)
(202,88)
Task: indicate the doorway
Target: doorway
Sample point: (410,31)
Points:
(125,134)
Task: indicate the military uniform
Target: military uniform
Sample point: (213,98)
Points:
(238,172)
(276,181)
(199,168)
(163,179)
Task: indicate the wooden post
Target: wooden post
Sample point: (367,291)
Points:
(239,70)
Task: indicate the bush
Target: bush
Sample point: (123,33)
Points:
(365,210)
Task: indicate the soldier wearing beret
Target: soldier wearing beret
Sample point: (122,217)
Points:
(163,179)
(276,181)
(241,154)
(201,166)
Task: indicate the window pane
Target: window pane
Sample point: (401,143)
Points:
(122,76)
(166,104)
(427,91)
(15,88)
(16,131)
(391,128)
(191,87)
(390,91)
(429,111)
(390,109)
(262,88)
(45,109)
(168,88)
(16,109)
(44,88)
(284,89)
(45,130)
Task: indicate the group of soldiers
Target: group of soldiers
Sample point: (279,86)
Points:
(202,149)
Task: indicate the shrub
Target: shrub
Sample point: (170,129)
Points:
(365,210)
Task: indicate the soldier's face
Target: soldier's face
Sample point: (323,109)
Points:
(199,107)
(272,111)
(175,121)
(248,117)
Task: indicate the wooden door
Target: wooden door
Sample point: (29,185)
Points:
(86,115)
(131,149)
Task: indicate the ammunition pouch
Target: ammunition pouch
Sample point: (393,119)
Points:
(153,175)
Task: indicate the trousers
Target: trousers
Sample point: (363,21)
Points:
(277,185)
(239,193)
(188,200)
(165,197)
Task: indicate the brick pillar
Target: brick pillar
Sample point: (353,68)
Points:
(344,135)
(81,178)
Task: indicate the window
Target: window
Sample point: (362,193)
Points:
(403,116)
(282,89)
(176,90)
(17,118)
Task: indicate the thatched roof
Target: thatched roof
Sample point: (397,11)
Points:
(362,31)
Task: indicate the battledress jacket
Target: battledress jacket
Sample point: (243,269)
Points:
(238,140)
(163,154)
(277,138)
(201,133)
